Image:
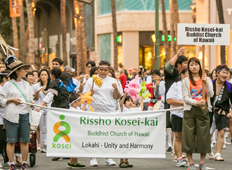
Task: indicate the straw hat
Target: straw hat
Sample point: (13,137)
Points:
(16,65)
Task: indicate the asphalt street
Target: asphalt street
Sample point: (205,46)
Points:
(45,163)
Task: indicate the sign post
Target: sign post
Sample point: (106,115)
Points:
(203,34)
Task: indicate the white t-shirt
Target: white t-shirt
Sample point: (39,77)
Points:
(162,93)
(77,83)
(132,109)
(174,92)
(103,97)
(1,111)
(23,109)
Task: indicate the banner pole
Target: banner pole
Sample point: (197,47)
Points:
(203,73)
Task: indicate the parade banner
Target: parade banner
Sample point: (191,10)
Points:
(15,8)
(106,135)
(203,34)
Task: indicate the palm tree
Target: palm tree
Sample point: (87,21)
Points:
(221,21)
(63,30)
(114,25)
(22,33)
(172,32)
(15,36)
(176,18)
(83,36)
(166,43)
(31,49)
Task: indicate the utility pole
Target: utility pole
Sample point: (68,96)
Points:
(157,34)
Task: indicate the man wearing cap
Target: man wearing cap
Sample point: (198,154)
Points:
(17,114)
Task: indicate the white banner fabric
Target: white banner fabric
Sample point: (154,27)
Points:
(106,135)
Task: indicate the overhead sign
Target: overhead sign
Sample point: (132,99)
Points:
(15,8)
(203,34)
(106,135)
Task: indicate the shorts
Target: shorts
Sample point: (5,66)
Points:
(20,129)
(222,121)
(176,123)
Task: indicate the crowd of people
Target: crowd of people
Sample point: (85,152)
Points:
(191,124)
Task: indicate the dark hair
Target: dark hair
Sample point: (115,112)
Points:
(61,62)
(73,96)
(207,73)
(112,72)
(92,63)
(81,73)
(4,76)
(155,72)
(180,60)
(35,71)
(49,79)
(220,67)
(56,72)
(126,99)
(211,74)
(93,69)
(184,71)
(103,62)
(29,73)
(194,59)
(64,77)
(14,75)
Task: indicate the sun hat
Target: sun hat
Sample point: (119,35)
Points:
(16,65)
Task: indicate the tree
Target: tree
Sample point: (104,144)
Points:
(63,30)
(31,49)
(15,36)
(172,31)
(114,25)
(22,33)
(221,21)
(166,43)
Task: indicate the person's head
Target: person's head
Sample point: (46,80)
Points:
(128,102)
(57,62)
(111,73)
(89,65)
(155,74)
(35,75)
(142,74)
(117,75)
(103,69)
(161,71)
(55,73)
(194,68)
(181,62)
(213,75)
(222,72)
(121,71)
(18,70)
(10,59)
(184,73)
(93,71)
(30,77)
(67,69)
(3,76)
(44,77)
(75,100)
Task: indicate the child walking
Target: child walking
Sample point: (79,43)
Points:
(75,104)
(127,105)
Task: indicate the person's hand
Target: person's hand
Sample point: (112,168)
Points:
(154,87)
(85,101)
(38,109)
(229,115)
(16,101)
(180,52)
(37,91)
(92,92)
(44,92)
(114,85)
(86,76)
(3,127)
(204,79)
(201,102)
(32,103)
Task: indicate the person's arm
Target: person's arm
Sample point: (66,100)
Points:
(172,94)
(141,103)
(47,99)
(84,105)
(36,95)
(175,102)
(169,67)
(122,101)
(208,86)
(117,94)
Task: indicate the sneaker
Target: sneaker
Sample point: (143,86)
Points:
(93,162)
(180,163)
(38,147)
(44,149)
(202,166)
(174,156)
(55,158)
(169,149)
(224,146)
(110,162)
(218,157)
(75,166)
(128,165)
(12,167)
(24,166)
(122,165)
(192,167)
(211,155)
